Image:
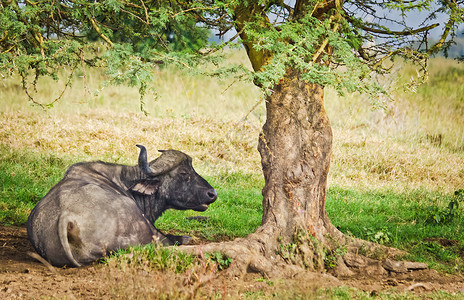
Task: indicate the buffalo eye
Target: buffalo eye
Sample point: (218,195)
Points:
(184,174)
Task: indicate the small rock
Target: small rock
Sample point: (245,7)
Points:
(411,265)
(418,285)
(403,266)
(394,266)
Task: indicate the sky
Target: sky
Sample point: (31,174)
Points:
(413,20)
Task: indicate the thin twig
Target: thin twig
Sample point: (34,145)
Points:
(173,59)
(44,106)
(252,109)
(86,86)
(9,49)
(5,34)
(194,8)
(135,16)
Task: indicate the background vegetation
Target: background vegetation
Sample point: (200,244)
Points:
(393,178)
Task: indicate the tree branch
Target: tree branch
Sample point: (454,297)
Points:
(400,33)
(173,59)
(146,12)
(193,9)
(326,40)
(449,25)
(97,29)
(244,14)
(39,38)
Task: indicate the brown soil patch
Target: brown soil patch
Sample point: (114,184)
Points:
(23,277)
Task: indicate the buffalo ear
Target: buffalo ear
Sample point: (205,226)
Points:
(146,187)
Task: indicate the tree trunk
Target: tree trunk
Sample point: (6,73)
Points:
(295,144)
(295,147)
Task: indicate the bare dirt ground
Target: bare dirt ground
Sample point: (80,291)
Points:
(23,277)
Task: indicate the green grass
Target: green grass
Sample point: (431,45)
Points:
(402,220)
(236,213)
(347,293)
(25,177)
(152,257)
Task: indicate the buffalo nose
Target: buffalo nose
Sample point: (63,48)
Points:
(212,195)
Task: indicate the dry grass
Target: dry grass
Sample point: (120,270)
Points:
(416,142)
(373,149)
(112,136)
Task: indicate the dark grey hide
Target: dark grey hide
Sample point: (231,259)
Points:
(100,207)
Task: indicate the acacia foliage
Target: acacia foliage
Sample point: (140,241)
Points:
(334,42)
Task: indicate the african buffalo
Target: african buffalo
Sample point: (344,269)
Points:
(100,207)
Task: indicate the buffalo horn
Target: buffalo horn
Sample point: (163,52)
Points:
(143,161)
(168,160)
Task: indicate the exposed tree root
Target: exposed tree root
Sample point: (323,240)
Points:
(371,259)
(252,255)
(247,258)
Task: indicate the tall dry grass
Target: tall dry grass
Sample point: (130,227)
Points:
(417,142)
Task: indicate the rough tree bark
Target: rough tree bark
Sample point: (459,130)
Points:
(295,147)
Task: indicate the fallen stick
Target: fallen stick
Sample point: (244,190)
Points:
(419,284)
